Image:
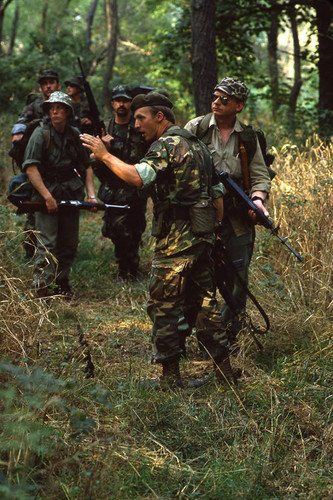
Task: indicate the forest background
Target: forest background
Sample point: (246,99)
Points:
(65,434)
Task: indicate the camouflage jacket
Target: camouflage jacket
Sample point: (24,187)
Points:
(178,168)
(32,110)
(129,146)
(81,110)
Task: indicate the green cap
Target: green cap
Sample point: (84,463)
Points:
(58,97)
(48,73)
(75,81)
(151,99)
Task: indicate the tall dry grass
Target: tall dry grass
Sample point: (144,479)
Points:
(65,436)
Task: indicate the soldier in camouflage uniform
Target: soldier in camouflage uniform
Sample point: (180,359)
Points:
(82,116)
(58,168)
(124,228)
(48,82)
(179,168)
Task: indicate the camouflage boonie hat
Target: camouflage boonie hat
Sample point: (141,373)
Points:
(151,99)
(48,73)
(234,88)
(58,97)
(75,81)
(122,91)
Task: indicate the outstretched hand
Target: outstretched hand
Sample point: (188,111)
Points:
(96,146)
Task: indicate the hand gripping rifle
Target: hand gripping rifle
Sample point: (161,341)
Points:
(97,123)
(239,194)
(28,207)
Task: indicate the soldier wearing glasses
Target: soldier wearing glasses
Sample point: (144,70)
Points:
(220,131)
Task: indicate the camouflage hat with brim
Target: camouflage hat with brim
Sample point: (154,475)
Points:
(151,99)
(75,81)
(58,97)
(48,73)
(122,91)
(234,88)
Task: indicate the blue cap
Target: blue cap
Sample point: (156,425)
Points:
(19,128)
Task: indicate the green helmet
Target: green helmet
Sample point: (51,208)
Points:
(58,97)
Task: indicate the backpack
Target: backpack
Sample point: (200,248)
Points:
(18,148)
(19,189)
(248,136)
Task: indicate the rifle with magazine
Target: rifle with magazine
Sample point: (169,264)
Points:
(234,190)
(28,207)
(97,123)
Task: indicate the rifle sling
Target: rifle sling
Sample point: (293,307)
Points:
(245,168)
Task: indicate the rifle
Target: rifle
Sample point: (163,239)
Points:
(28,207)
(97,123)
(239,194)
(225,272)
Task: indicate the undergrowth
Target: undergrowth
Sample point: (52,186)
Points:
(75,422)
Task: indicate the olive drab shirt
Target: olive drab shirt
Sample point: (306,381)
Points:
(226,158)
(61,163)
(171,167)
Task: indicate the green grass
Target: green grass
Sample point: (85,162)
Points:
(66,436)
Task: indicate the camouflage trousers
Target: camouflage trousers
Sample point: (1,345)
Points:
(57,241)
(125,229)
(237,248)
(182,295)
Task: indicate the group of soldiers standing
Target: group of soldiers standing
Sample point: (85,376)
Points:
(144,153)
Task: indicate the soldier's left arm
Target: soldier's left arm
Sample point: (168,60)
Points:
(260,180)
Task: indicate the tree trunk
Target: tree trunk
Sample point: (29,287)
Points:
(111,13)
(325,66)
(44,17)
(14,28)
(90,20)
(204,66)
(273,67)
(3,7)
(297,71)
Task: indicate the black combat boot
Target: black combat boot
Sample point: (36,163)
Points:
(170,378)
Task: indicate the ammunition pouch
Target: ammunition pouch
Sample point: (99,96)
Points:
(203,216)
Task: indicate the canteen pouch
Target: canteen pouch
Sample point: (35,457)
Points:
(203,215)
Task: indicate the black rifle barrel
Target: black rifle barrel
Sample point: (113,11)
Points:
(98,124)
(265,221)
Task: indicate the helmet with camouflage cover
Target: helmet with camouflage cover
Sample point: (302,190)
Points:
(58,97)
(233,87)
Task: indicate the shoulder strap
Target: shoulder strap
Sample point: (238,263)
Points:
(203,128)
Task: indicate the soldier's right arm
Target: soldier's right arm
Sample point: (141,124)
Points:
(36,180)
